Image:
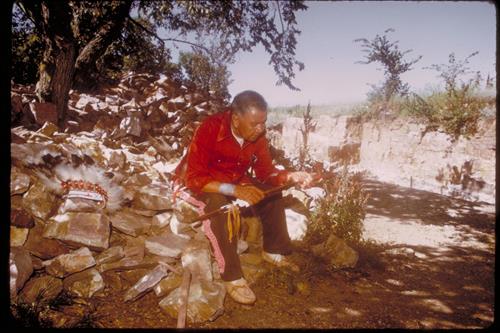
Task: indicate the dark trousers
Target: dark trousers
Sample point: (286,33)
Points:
(271,212)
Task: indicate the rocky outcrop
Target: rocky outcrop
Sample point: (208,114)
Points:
(401,152)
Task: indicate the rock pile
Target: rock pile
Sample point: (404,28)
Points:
(93,208)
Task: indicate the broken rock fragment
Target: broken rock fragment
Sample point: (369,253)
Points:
(147,282)
(70,263)
(21,268)
(130,223)
(167,244)
(40,290)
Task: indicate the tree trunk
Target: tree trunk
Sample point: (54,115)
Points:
(53,20)
(85,67)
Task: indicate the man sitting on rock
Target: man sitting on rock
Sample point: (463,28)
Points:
(224,147)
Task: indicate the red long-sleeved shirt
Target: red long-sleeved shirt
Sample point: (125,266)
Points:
(215,155)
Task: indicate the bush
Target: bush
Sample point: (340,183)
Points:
(341,211)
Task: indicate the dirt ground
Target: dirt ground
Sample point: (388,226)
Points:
(431,266)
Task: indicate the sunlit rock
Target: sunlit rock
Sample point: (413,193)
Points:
(113,253)
(84,284)
(70,263)
(205,301)
(336,252)
(87,229)
(21,268)
(130,223)
(48,129)
(296,224)
(155,196)
(147,282)
(40,290)
(18,236)
(162,220)
(38,201)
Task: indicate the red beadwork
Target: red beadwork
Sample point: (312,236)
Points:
(84,186)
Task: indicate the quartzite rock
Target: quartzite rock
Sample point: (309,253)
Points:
(70,263)
(85,283)
(18,236)
(19,218)
(87,229)
(44,248)
(112,254)
(19,182)
(154,196)
(336,252)
(197,260)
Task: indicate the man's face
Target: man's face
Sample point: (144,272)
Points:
(251,124)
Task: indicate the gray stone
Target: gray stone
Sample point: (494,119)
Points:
(336,252)
(19,182)
(40,290)
(167,244)
(130,223)
(70,263)
(84,284)
(205,301)
(77,229)
(21,268)
(146,283)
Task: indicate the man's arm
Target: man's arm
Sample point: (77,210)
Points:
(249,193)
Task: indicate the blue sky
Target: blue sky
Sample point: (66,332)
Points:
(326,46)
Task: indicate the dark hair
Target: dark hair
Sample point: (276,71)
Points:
(247,99)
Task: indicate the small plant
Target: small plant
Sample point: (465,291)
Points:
(308,127)
(341,211)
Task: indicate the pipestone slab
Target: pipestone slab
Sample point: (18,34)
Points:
(70,263)
(21,268)
(40,290)
(168,245)
(84,284)
(154,196)
(18,236)
(205,301)
(146,283)
(130,223)
(87,229)
(167,284)
(38,201)
(336,252)
(19,182)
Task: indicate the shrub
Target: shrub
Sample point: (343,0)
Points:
(341,211)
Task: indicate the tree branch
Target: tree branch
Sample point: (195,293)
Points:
(163,40)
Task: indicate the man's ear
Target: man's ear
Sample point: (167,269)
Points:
(235,120)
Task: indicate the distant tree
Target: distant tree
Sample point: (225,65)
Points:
(205,75)
(84,39)
(382,50)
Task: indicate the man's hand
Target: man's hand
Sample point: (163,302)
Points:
(304,179)
(249,193)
